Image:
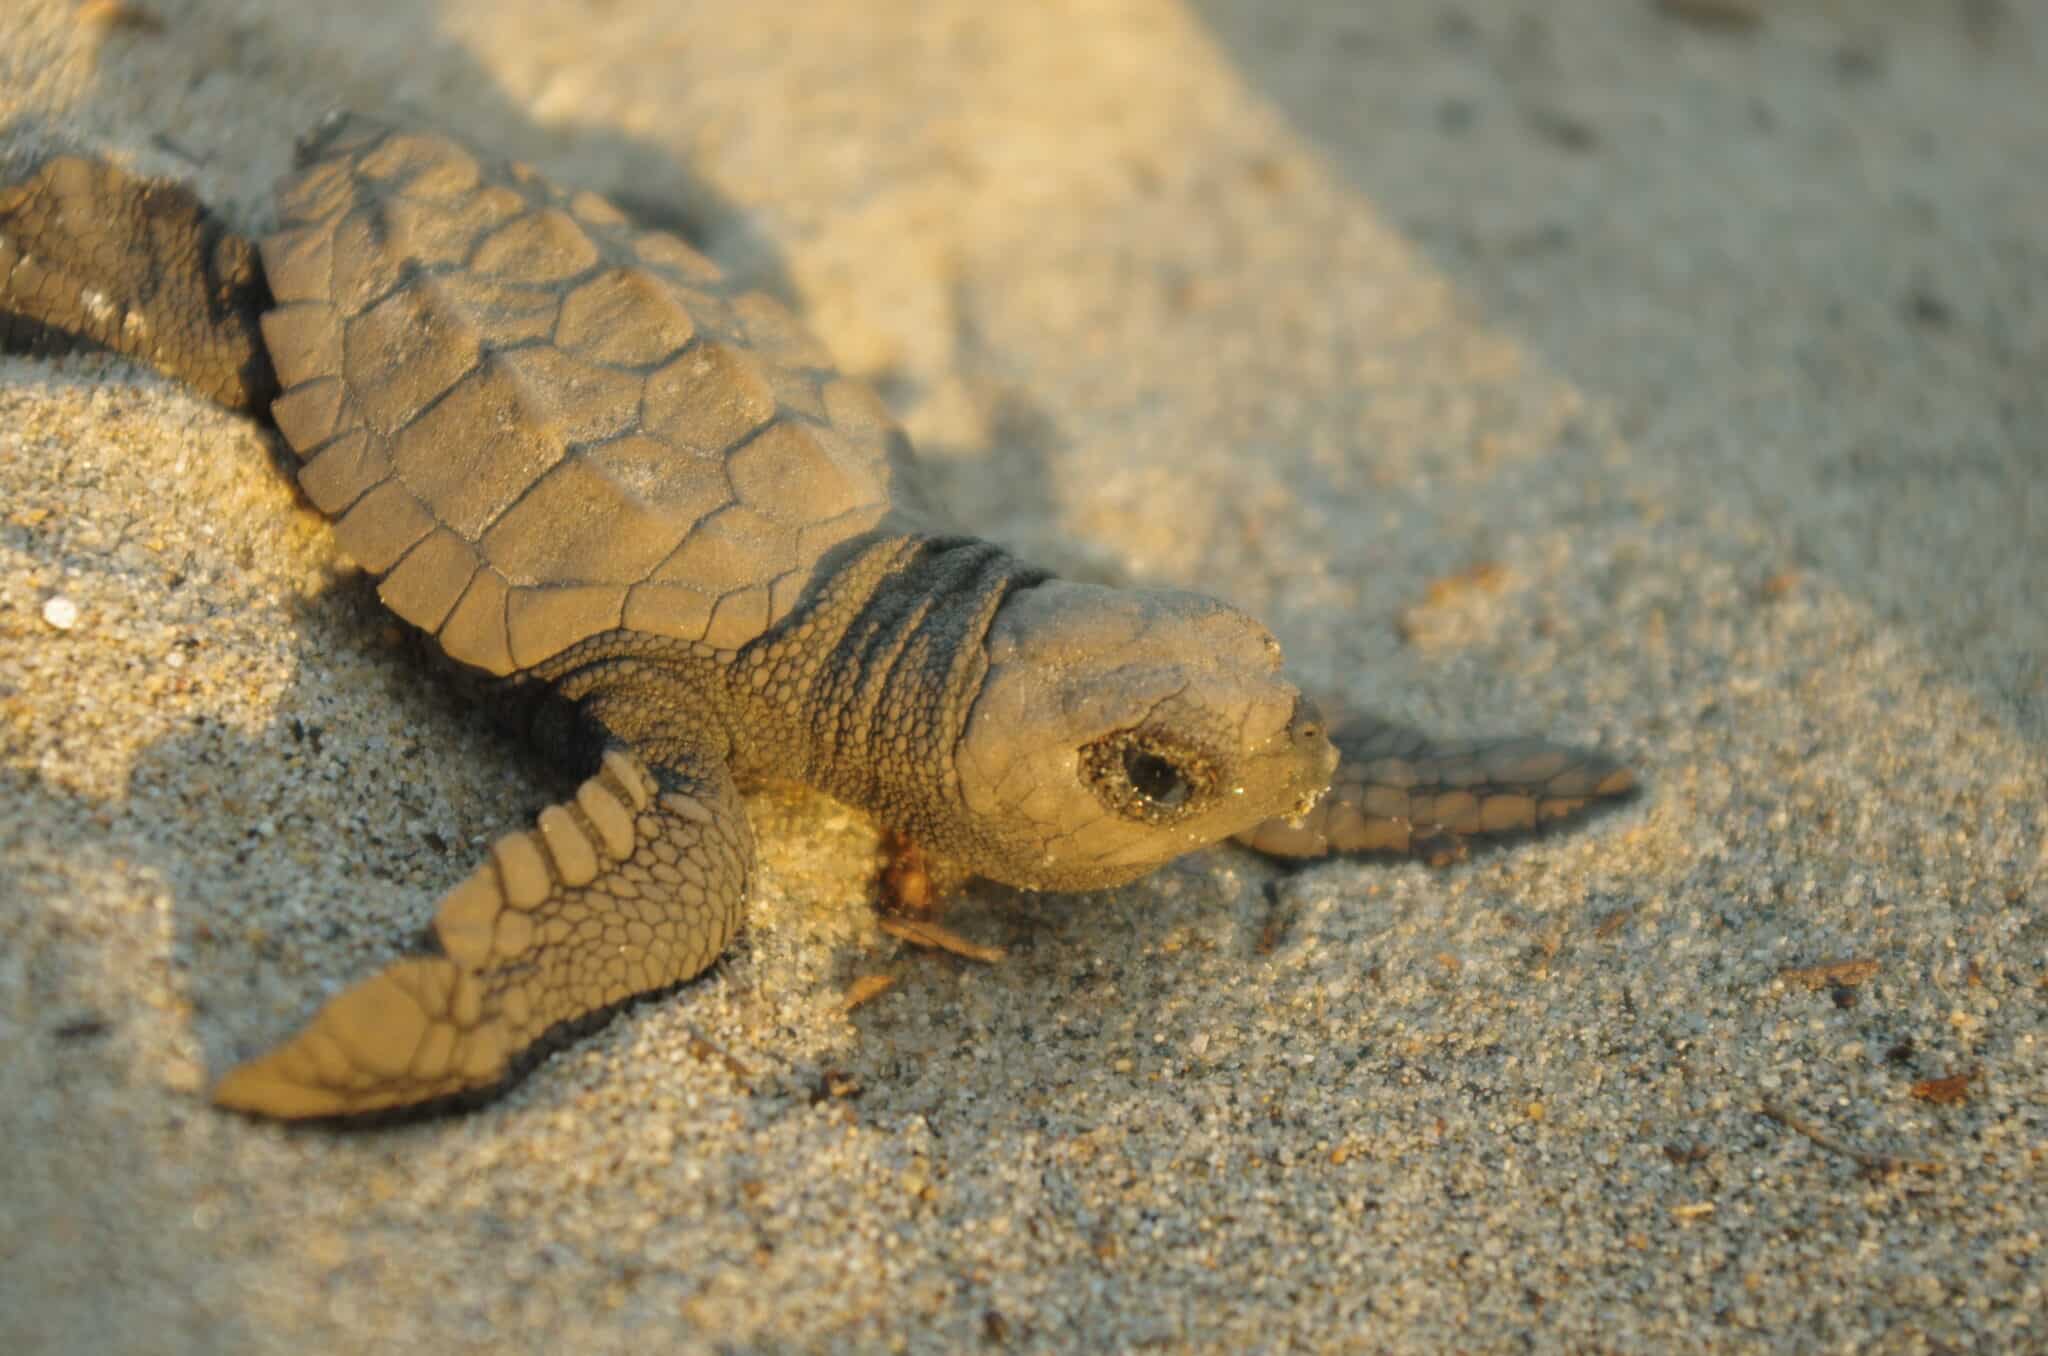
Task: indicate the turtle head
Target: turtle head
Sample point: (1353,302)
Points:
(1117,729)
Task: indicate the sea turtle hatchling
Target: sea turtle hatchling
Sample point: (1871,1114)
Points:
(603,476)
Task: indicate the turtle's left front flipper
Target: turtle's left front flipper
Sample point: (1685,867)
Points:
(634,885)
(1399,791)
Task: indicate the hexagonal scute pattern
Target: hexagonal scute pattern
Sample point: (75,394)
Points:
(538,423)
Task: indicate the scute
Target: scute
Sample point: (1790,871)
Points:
(344,470)
(540,423)
(543,247)
(431,578)
(729,551)
(475,452)
(306,339)
(547,621)
(384,524)
(475,632)
(626,318)
(580,520)
(402,354)
(579,402)
(708,399)
(421,165)
(800,473)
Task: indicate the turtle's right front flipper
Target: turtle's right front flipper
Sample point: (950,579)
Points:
(90,252)
(1399,791)
(633,886)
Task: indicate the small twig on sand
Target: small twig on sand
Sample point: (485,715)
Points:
(926,933)
(1881,1165)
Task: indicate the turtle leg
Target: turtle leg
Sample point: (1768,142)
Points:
(92,253)
(1397,790)
(633,886)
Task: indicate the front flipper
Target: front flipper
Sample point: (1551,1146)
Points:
(1397,790)
(633,886)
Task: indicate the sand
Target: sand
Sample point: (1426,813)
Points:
(1569,367)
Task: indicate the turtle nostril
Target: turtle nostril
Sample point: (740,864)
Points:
(1313,749)
(1306,728)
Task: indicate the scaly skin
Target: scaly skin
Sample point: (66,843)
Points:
(713,595)
(88,252)
(633,886)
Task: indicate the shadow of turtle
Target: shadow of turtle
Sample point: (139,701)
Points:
(290,860)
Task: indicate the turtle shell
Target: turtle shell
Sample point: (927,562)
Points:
(537,423)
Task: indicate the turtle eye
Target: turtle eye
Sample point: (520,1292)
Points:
(1148,775)
(1156,779)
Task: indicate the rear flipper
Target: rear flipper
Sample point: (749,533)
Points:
(91,253)
(1397,790)
(632,887)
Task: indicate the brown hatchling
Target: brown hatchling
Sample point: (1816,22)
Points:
(640,502)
